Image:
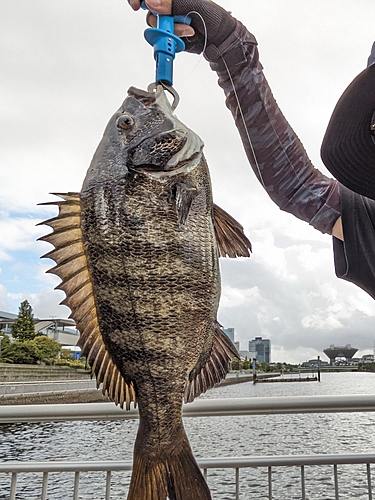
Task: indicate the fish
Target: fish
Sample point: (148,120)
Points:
(137,251)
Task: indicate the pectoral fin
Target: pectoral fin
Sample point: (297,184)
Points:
(72,268)
(207,374)
(184,194)
(230,237)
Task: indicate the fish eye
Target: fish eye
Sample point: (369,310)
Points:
(125,122)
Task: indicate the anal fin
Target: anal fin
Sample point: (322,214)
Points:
(206,376)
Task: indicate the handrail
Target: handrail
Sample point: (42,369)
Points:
(18,471)
(204,463)
(200,408)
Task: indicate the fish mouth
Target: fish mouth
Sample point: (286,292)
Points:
(156,151)
(171,148)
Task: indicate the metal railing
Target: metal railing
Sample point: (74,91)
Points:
(200,408)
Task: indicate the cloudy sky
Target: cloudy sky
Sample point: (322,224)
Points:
(65,68)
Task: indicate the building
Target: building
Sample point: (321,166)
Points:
(314,363)
(368,358)
(229,332)
(340,351)
(62,330)
(247,355)
(262,347)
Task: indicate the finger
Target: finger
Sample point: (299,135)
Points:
(179,29)
(151,20)
(163,7)
(183,30)
(135,4)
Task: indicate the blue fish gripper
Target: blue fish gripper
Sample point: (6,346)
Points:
(166,44)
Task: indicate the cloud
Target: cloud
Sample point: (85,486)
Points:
(283,355)
(66,68)
(46,303)
(3,298)
(21,233)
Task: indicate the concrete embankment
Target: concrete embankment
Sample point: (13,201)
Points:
(17,374)
(32,373)
(87,396)
(91,396)
(236,379)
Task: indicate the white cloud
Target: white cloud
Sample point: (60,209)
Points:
(3,298)
(321,320)
(66,69)
(296,355)
(232,297)
(20,233)
(46,303)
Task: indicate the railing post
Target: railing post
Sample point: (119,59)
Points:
(108,486)
(336,482)
(76,485)
(44,486)
(237,483)
(269,483)
(303,486)
(369,487)
(13,486)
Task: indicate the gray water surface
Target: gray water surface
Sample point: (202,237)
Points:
(211,437)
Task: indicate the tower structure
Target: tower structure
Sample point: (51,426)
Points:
(340,351)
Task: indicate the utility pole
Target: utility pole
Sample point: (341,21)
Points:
(254,371)
(318,368)
(55,331)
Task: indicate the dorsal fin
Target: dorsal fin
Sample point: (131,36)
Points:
(72,267)
(206,375)
(230,237)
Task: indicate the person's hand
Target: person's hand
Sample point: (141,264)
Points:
(162,7)
(210,23)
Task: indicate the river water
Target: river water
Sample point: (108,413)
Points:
(211,437)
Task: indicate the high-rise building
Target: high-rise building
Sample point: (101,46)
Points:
(229,333)
(262,347)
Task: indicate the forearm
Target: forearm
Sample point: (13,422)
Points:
(275,153)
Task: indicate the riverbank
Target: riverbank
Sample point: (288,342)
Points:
(91,396)
(88,396)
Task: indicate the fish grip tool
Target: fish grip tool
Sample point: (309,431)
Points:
(166,45)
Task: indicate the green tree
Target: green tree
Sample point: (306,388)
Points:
(46,348)
(23,328)
(235,364)
(246,364)
(23,353)
(4,342)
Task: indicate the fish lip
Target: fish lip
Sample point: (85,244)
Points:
(154,135)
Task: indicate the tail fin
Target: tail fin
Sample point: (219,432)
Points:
(174,475)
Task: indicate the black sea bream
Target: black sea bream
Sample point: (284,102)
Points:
(137,251)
